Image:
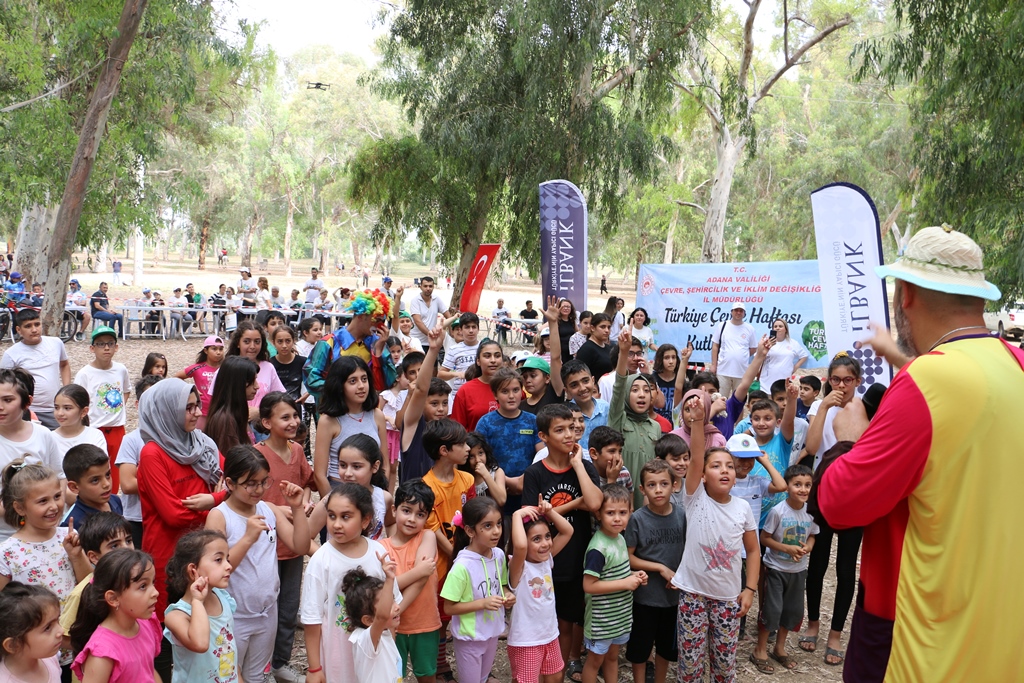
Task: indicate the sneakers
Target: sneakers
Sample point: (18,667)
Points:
(288,674)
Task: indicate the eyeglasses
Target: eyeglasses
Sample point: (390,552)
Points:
(194,408)
(251,485)
(844,381)
(104,345)
(636,354)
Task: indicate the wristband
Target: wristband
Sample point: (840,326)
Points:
(748,588)
(315,671)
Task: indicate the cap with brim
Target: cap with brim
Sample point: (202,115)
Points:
(74,282)
(521,356)
(244,270)
(177,289)
(537,363)
(15,275)
(738,304)
(145,290)
(743,446)
(213,340)
(100,331)
(943,260)
(545,333)
(404,314)
(387,279)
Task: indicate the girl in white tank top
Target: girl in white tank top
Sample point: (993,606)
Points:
(360,461)
(252,527)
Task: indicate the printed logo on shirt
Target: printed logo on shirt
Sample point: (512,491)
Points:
(109,398)
(342,621)
(718,558)
(225,654)
(541,587)
(528,432)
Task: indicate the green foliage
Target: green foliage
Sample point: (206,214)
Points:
(49,42)
(964,58)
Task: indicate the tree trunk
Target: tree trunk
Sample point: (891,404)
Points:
(728,152)
(245,253)
(357,256)
(204,239)
(471,240)
(140,258)
(289,224)
(34,242)
(65,231)
(101,258)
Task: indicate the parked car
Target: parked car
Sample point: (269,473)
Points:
(1008,321)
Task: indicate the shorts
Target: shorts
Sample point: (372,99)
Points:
(653,627)
(570,601)
(601,647)
(421,650)
(783,599)
(531,662)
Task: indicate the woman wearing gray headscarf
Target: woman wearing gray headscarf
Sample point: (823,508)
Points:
(177,465)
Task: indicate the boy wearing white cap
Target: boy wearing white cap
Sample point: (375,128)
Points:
(733,345)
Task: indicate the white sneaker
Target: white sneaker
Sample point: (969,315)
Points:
(288,674)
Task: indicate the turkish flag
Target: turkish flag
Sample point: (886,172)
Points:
(485,256)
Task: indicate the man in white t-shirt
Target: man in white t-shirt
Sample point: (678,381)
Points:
(35,354)
(75,297)
(182,316)
(733,345)
(424,310)
(313,286)
(499,314)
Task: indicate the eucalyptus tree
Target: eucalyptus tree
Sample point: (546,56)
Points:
(507,95)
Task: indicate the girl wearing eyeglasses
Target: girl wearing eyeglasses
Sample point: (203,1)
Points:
(252,526)
(844,376)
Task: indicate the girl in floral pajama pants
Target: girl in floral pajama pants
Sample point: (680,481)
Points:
(707,627)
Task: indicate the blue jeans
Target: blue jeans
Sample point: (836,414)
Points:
(109,318)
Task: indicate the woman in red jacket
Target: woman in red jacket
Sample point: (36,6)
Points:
(179,477)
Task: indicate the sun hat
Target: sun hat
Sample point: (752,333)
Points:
(743,446)
(213,340)
(738,304)
(944,260)
(522,355)
(100,331)
(537,363)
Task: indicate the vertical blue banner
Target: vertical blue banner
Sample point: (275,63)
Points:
(563,243)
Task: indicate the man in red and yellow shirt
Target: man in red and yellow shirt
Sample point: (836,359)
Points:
(933,482)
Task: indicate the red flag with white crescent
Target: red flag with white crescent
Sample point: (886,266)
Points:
(485,256)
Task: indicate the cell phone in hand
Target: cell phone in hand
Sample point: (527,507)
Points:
(772,334)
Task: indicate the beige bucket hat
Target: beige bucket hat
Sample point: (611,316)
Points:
(942,259)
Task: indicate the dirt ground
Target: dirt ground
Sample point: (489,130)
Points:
(810,667)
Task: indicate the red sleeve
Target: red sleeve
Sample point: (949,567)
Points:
(377,370)
(459,411)
(885,466)
(155,484)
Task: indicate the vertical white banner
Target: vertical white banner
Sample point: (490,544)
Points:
(849,244)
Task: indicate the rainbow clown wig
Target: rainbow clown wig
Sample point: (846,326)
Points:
(375,303)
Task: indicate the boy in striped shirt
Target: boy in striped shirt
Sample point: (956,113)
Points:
(609,585)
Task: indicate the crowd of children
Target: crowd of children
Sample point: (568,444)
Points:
(640,515)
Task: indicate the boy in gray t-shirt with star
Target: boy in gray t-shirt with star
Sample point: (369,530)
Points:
(788,536)
(654,539)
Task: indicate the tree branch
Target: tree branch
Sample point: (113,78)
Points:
(748,44)
(56,90)
(794,59)
(696,207)
(715,116)
(617,78)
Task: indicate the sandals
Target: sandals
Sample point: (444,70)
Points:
(786,661)
(575,670)
(813,640)
(762,665)
(829,652)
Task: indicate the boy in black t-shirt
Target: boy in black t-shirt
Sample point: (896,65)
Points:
(569,483)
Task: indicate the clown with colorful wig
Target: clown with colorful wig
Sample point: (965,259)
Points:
(364,336)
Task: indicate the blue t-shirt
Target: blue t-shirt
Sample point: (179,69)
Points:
(726,424)
(81,512)
(778,451)
(514,442)
(15,290)
(598,419)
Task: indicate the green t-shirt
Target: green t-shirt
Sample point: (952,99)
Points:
(609,615)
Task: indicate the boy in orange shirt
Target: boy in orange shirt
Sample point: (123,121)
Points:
(445,443)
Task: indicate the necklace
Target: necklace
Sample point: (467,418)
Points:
(952,332)
(357,419)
